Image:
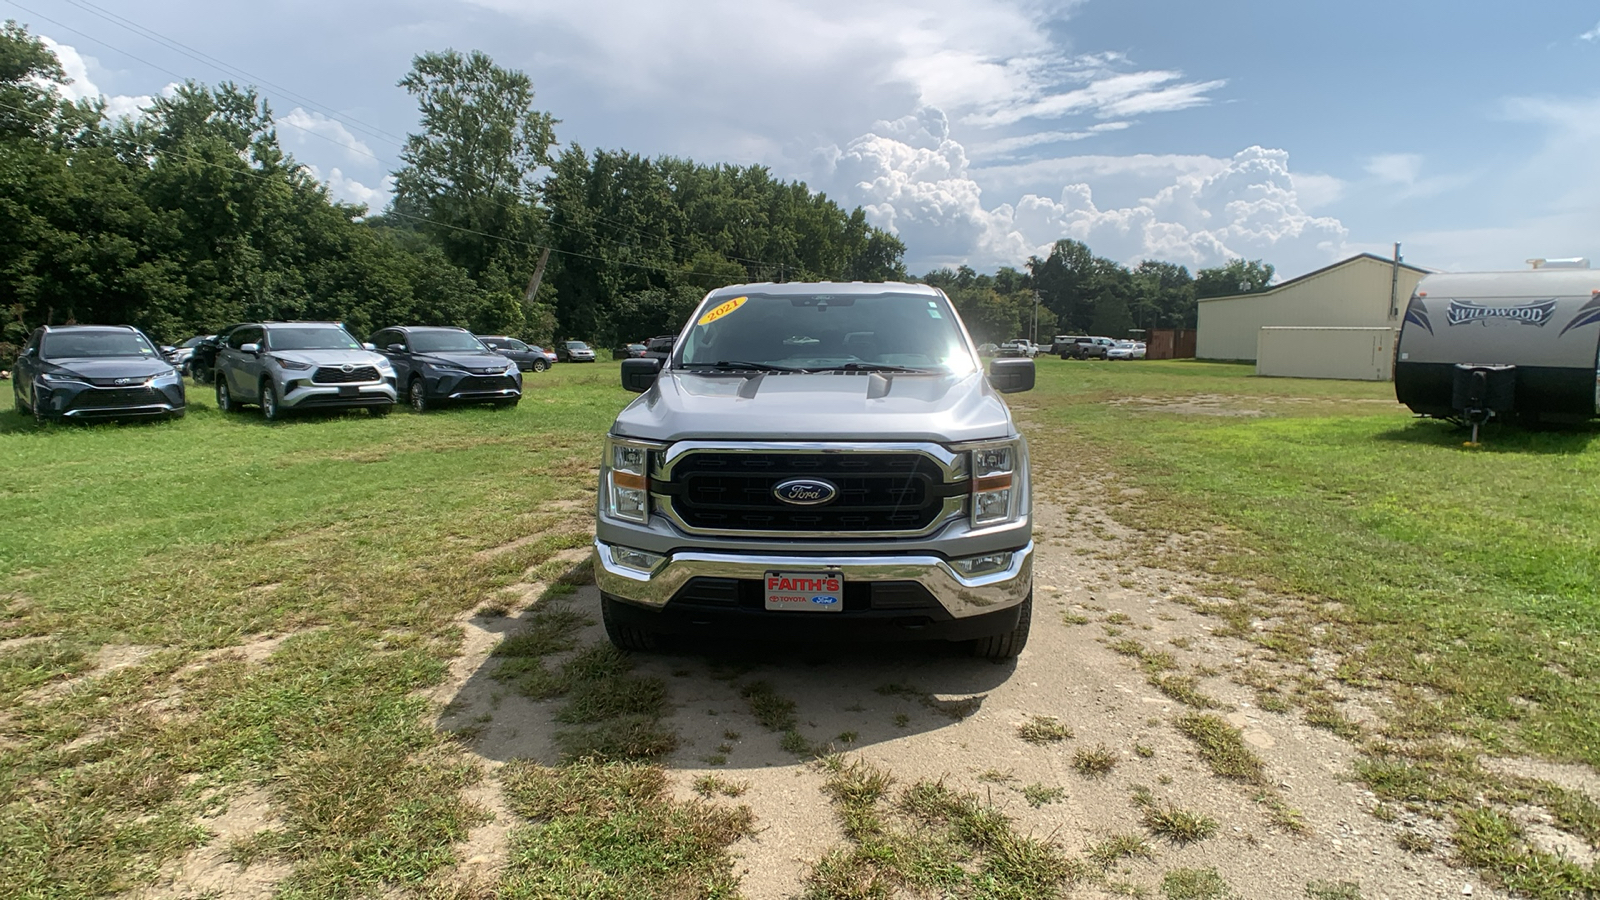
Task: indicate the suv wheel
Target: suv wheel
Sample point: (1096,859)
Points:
(1008,645)
(417,396)
(224,396)
(540,365)
(269,401)
(625,637)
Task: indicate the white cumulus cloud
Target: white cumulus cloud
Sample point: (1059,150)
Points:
(349,190)
(314,124)
(917,182)
(80,86)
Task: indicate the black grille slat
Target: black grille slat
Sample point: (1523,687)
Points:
(115,399)
(877,491)
(333,375)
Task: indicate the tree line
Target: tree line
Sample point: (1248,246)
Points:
(1074,291)
(191,216)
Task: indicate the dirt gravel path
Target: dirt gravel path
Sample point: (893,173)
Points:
(931,712)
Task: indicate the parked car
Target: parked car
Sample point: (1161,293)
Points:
(1017,349)
(1084,347)
(1124,350)
(989,349)
(203,361)
(528,357)
(574,351)
(94,371)
(433,366)
(660,346)
(288,366)
(811,506)
(628,351)
(180,355)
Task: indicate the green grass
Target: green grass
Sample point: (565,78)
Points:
(1094,762)
(929,840)
(1469,573)
(1195,884)
(613,830)
(1222,748)
(1044,730)
(161,547)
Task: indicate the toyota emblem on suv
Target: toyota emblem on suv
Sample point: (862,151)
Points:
(805,492)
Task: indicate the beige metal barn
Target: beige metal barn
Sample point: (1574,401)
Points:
(1319,321)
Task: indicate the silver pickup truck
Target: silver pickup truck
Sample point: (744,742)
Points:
(818,461)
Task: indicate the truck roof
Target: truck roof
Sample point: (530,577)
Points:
(802,288)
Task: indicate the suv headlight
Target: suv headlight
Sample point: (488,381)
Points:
(291,364)
(60,378)
(994,483)
(625,474)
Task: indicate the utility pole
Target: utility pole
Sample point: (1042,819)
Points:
(1036,318)
(1394,285)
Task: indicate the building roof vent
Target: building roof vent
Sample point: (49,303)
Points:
(1571,262)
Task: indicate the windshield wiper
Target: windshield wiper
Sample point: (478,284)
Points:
(742,366)
(872,367)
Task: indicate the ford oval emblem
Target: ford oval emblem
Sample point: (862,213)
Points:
(805,492)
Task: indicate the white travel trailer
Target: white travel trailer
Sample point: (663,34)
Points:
(1523,344)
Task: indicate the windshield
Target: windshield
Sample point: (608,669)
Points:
(445,342)
(78,344)
(577,345)
(194,341)
(311,337)
(828,331)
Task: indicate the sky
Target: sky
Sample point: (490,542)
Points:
(978,131)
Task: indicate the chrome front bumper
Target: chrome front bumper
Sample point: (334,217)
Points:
(961,596)
(311,394)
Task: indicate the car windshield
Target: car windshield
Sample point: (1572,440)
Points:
(1126,345)
(311,337)
(445,342)
(577,345)
(821,331)
(79,344)
(194,341)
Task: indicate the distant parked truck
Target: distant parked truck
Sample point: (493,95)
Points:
(1479,345)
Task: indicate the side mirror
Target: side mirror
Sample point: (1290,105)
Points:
(1012,375)
(392,348)
(250,348)
(639,374)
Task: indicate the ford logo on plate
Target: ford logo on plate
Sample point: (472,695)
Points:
(805,492)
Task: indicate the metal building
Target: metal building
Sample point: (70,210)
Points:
(1318,320)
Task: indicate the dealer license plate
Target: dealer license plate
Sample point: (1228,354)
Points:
(816,591)
(349,390)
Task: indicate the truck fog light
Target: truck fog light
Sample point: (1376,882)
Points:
(983,565)
(637,560)
(989,507)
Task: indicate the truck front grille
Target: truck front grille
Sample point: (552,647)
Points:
(877,492)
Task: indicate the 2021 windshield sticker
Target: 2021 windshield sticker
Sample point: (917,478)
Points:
(722,310)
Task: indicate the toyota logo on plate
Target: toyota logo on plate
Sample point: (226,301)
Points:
(347,368)
(123,381)
(805,492)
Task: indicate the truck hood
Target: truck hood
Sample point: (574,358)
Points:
(819,406)
(331,357)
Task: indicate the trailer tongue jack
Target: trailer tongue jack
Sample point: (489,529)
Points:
(1483,392)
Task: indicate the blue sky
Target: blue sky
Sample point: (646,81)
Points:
(980,131)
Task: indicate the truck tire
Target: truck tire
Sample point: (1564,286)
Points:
(1008,645)
(626,637)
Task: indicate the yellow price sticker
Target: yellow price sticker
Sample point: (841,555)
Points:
(722,310)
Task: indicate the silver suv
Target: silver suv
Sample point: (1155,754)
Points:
(286,366)
(823,461)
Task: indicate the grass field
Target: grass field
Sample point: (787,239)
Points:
(141,566)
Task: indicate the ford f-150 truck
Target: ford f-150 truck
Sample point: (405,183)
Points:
(818,461)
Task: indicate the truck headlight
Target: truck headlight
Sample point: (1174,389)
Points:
(626,479)
(994,486)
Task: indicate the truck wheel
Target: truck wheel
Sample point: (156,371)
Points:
(1008,645)
(625,637)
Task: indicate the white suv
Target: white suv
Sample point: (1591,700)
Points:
(285,366)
